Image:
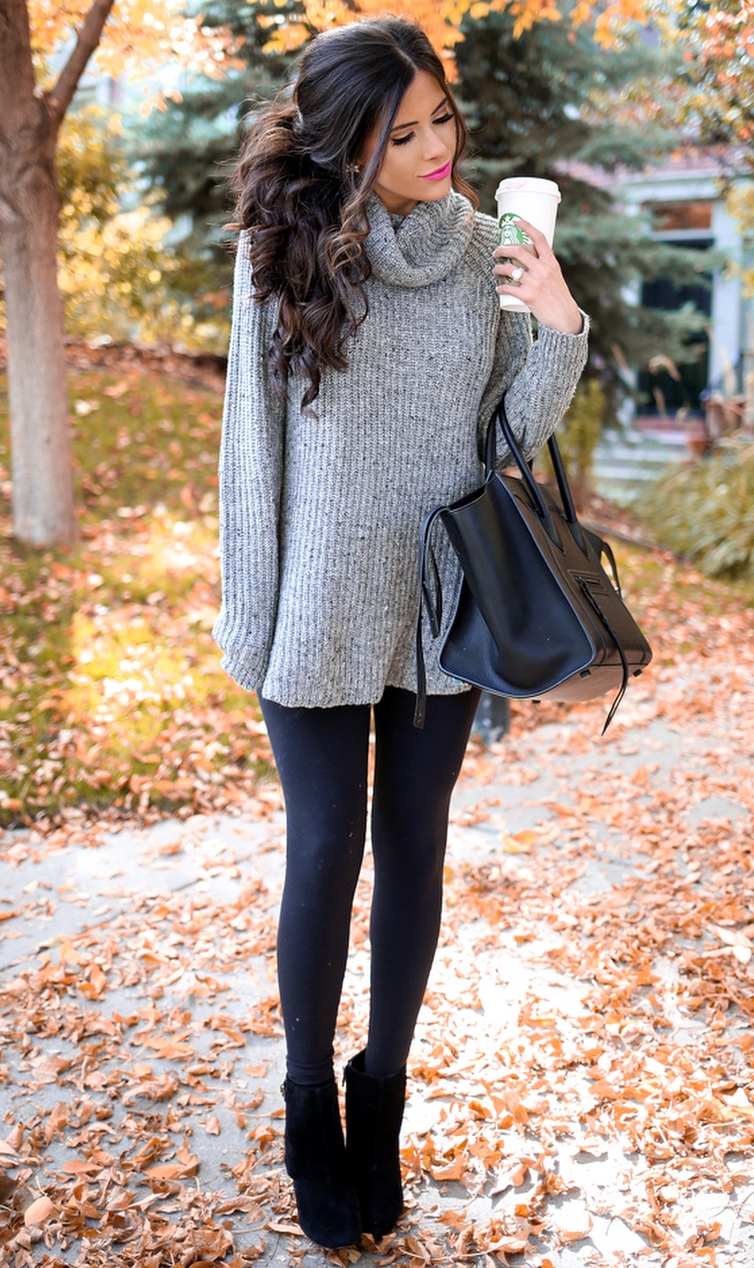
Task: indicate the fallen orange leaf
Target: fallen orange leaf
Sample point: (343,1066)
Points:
(40,1210)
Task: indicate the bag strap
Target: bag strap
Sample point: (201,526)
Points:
(433,604)
(587,592)
(607,550)
(533,488)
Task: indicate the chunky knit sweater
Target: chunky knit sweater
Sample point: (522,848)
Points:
(319,517)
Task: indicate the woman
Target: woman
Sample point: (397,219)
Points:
(368,352)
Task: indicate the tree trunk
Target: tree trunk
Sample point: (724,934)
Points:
(43,507)
(43,504)
(43,499)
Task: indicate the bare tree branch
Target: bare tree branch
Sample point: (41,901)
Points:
(60,97)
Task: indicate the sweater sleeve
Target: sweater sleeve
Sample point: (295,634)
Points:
(537,378)
(250,479)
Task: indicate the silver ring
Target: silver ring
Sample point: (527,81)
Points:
(517,273)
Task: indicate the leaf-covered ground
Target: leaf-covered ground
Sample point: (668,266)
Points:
(581,1089)
(111,692)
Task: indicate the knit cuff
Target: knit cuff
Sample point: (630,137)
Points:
(561,356)
(550,333)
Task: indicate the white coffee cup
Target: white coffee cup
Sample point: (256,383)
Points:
(527,198)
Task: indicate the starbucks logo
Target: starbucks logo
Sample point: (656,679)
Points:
(510,234)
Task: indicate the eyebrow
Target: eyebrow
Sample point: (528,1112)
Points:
(400,126)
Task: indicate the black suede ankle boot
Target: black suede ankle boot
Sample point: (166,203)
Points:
(374,1111)
(315,1159)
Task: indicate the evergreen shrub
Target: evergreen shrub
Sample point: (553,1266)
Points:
(706,510)
(578,435)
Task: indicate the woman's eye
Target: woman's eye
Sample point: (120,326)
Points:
(404,140)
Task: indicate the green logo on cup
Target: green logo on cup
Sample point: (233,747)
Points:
(510,233)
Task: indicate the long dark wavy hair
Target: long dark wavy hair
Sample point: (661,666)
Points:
(300,195)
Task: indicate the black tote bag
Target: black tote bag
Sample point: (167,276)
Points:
(537,615)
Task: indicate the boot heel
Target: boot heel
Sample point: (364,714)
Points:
(316,1161)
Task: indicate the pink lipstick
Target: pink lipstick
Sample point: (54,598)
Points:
(440,173)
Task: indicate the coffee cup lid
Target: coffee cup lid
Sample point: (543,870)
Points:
(527,184)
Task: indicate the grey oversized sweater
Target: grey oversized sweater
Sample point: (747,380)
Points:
(319,517)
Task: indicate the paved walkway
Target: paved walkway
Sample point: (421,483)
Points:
(549,1117)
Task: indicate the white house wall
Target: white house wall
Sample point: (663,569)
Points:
(727,316)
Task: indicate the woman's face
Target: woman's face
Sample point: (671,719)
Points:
(419,156)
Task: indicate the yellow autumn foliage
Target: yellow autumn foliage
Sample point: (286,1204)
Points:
(140,32)
(114,279)
(122,281)
(120,277)
(137,33)
(740,203)
(441,19)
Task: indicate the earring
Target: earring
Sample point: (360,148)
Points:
(354,169)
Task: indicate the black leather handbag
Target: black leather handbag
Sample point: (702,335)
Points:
(537,615)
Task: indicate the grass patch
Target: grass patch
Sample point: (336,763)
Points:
(111,691)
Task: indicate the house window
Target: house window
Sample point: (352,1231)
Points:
(668,393)
(672,217)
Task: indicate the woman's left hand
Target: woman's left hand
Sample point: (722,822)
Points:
(541,285)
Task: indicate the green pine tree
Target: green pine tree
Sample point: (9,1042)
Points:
(530,104)
(187,152)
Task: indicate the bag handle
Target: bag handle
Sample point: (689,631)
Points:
(569,510)
(433,604)
(589,542)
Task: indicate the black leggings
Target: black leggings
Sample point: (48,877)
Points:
(321,756)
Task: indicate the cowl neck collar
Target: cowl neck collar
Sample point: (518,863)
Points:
(423,247)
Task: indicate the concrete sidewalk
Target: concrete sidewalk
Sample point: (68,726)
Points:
(141,1037)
